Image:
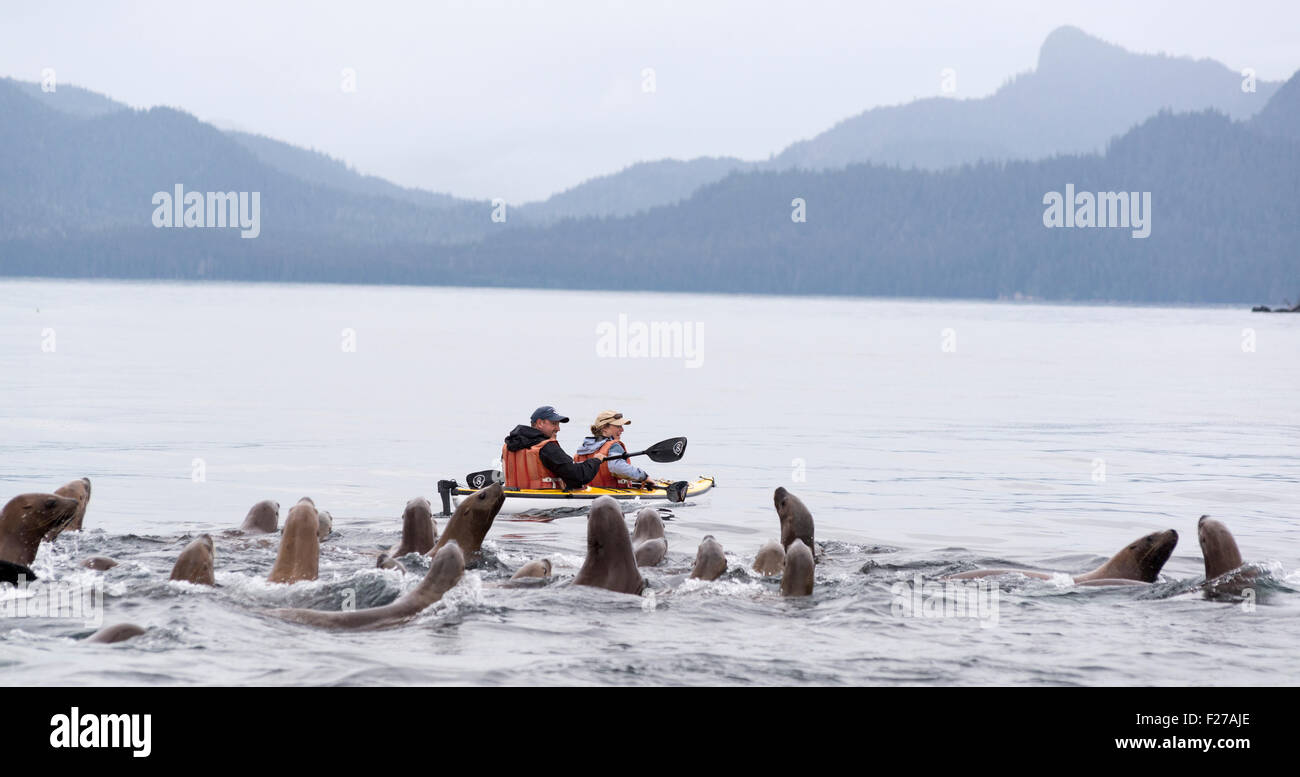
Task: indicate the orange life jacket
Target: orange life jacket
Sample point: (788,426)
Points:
(604,478)
(524,468)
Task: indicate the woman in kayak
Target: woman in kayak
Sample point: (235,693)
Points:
(604,442)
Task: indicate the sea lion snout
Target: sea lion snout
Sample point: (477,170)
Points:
(495,494)
(59,510)
(1157,548)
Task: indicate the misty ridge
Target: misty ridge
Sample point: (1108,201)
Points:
(937,197)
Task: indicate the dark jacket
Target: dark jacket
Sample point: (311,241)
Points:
(574,475)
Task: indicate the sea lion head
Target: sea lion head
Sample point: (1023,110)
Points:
(79,490)
(27,518)
(770,559)
(196,562)
(710,560)
(118,632)
(419,530)
(1143,558)
(473,519)
(605,527)
(610,561)
(447,567)
(796,520)
(482,507)
(324,524)
(417,516)
(533,569)
(797,576)
(1218,547)
(99,563)
(649,526)
(299,555)
(262,518)
(487,500)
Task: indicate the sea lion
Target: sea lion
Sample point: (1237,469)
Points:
(770,559)
(541,568)
(1223,564)
(648,540)
(80,491)
(262,518)
(1139,562)
(473,518)
(26,519)
(299,556)
(10,572)
(445,571)
(610,561)
(797,577)
(118,632)
(324,524)
(388,562)
(710,562)
(98,563)
(796,521)
(419,530)
(196,562)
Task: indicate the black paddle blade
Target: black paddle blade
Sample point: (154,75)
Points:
(668,450)
(483,479)
(677,491)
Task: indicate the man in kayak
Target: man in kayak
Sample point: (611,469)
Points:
(605,441)
(532,458)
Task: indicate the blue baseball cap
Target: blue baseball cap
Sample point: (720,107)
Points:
(548,413)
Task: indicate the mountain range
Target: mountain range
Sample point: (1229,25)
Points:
(938,197)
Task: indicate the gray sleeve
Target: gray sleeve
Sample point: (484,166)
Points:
(622,467)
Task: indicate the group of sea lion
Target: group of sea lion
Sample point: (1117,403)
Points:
(1140,562)
(612,561)
(613,557)
(30,518)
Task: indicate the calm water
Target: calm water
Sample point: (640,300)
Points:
(1046,436)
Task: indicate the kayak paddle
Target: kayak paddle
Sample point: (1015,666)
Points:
(677,491)
(663,452)
(484,478)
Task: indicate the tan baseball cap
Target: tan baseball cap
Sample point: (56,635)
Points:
(607,417)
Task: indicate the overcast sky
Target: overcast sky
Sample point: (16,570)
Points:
(520,99)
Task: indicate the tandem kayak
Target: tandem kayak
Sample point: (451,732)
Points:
(524,500)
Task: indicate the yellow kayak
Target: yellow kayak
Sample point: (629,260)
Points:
(522,500)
